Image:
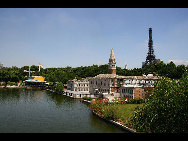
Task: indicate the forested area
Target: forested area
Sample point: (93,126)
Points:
(15,74)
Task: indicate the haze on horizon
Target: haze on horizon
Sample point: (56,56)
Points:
(84,36)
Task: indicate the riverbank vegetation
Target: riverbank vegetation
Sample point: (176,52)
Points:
(118,110)
(15,74)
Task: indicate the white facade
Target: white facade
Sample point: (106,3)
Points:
(100,84)
(78,85)
(78,88)
(131,82)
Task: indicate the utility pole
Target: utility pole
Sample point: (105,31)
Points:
(29,72)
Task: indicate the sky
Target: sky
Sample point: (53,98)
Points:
(61,37)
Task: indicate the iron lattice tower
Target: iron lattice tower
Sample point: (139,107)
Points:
(150,58)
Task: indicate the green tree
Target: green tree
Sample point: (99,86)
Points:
(171,70)
(166,109)
(13,74)
(58,87)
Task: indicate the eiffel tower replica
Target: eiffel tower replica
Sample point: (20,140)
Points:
(150,58)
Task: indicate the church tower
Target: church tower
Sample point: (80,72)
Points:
(112,63)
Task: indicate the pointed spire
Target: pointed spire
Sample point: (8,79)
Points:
(112,54)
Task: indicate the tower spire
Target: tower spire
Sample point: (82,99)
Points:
(150,58)
(112,63)
(112,54)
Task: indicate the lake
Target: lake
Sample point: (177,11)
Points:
(41,111)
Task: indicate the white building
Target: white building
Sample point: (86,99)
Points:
(136,86)
(104,84)
(78,85)
(78,88)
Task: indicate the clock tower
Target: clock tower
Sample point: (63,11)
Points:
(112,63)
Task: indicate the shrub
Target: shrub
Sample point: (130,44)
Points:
(11,83)
(135,101)
(96,105)
(109,112)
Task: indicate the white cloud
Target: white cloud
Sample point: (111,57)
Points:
(179,62)
(100,63)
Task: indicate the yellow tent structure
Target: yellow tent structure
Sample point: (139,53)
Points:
(38,78)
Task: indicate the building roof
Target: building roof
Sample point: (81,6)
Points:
(106,76)
(124,77)
(82,80)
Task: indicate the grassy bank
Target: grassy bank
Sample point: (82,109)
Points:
(119,112)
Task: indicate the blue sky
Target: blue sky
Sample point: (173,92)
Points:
(60,37)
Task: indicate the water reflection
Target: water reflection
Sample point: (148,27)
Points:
(32,111)
(9,95)
(59,100)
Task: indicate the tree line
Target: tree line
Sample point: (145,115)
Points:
(15,74)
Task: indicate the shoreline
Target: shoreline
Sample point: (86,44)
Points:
(115,123)
(112,121)
(12,87)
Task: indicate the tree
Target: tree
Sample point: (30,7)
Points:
(13,74)
(59,88)
(166,109)
(171,70)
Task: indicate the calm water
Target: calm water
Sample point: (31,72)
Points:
(36,111)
